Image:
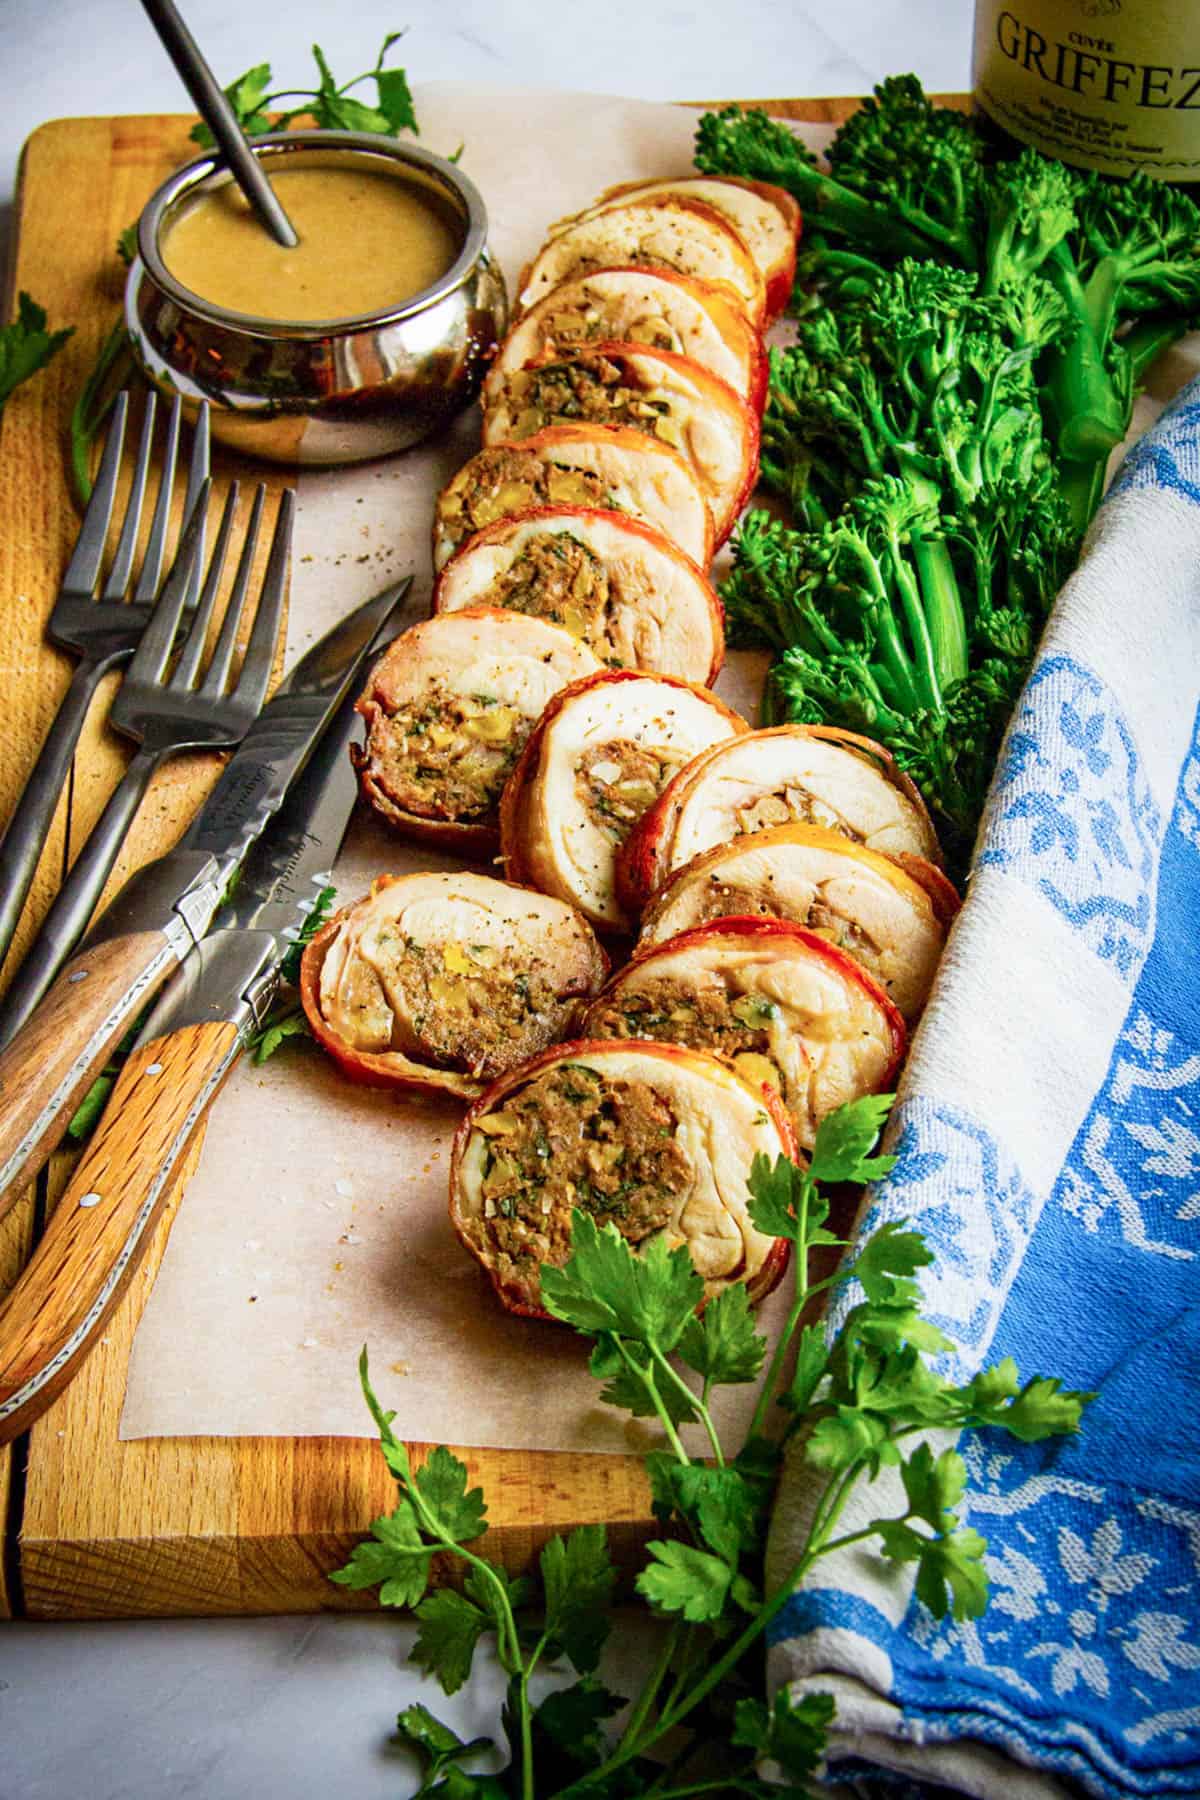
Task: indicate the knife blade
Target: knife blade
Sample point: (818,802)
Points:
(208,1013)
(165,909)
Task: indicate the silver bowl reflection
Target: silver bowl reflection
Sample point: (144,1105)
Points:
(340,390)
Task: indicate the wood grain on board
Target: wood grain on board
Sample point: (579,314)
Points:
(188,1525)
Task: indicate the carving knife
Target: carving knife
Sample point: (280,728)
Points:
(209,1011)
(163,912)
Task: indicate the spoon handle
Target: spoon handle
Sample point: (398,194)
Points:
(220,118)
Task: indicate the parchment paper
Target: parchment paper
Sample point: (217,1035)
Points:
(316,1221)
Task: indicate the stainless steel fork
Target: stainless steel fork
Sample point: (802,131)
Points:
(165,715)
(102,633)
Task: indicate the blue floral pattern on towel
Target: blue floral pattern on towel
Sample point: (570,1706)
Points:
(1071,812)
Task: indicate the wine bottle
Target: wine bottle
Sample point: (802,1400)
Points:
(1112,85)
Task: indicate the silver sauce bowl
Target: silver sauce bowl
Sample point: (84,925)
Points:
(339,390)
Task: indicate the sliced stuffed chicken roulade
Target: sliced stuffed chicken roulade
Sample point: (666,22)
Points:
(781,1004)
(614,470)
(448,708)
(670,398)
(600,754)
(626,590)
(866,904)
(766,218)
(788,774)
(652,1138)
(443,982)
(656,231)
(656,307)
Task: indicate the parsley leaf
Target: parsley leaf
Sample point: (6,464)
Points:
(450,1628)
(812,1361)
(792,1732)
(393,1559)
(627,1390)
(246,96)
(26,346)
(845,1137)
(571,1717)
(578,1578)
(438,1747)
(682,1579)
(321,907)
(396,101)
(604,1286)
(771,1195)
(950,1572)
(281,1022)
(1042,1408)
(442,1484)
(888,1257)
(722,1344)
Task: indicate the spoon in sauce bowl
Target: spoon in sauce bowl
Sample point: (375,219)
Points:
(221,119)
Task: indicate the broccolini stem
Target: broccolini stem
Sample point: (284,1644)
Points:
(1082,486)
(1083,394)
(943,609)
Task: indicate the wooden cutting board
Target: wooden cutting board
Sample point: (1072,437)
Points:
(98,1528)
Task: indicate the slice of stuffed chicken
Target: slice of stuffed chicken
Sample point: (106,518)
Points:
(788,774)
(613,470)
(624,589)
(781,1004)
(865,903)
(601,753)
(443,982)
(670,398)
(652,1138)
(656,307)
(656,231)
(766,218)
(448,708)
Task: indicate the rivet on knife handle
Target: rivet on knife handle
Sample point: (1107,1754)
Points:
(101,1227)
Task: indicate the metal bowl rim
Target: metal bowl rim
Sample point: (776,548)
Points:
(178,184)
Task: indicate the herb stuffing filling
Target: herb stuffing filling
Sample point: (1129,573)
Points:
(575,1139)
(475,1007)
(704,1018)
(447,756)
(590,389)
(617,781)
(505,479)
(559,578)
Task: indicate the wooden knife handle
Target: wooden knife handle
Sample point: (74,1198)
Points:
(52,1062)
(103,1224)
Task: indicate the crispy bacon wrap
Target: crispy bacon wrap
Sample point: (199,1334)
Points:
(443,982)
(448,709)
(867,904)
(600,754)
(670,398)
(654,1138)
(612,469)
(625,590)
(788,774)
(655,231)
(766,218)
(656,307)
(781,1004)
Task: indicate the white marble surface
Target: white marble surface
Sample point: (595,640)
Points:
(282,1709)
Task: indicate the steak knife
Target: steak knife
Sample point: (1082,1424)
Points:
(210,1009)
(162,913)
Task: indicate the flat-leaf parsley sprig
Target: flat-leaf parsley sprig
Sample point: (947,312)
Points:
(858,1400)
(330,106)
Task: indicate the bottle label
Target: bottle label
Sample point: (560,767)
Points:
(1107,84)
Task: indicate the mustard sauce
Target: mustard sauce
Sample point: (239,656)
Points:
(367,242)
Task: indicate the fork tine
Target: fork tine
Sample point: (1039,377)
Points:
(198,471)
(156,544)
(122,565)
(186,668)
(150,658)
(259,659)
(84,567)
(222,656)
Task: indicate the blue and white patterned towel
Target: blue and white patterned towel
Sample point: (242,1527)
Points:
(1049,1145)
